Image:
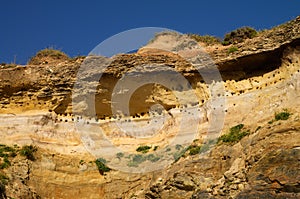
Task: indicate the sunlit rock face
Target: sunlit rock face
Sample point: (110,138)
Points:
(39,106)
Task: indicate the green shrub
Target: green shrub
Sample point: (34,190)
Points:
(193,150)
(239,35)
(232,49)
(101,165)
(28,151)
(236,128)
(155,148)
(152,158)
(143,149)
(207,39)
(282,115)
(6,151)
(235,134)
(136,160)
(139,158)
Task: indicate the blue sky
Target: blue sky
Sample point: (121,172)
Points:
(76,27)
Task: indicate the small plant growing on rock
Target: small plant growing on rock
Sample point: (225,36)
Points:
(232,49)
(5,164)
(143,149)
(101,165)
(28,151)
(193,150)
(136,160)
(235,134)
(284,115)
(196,149)
(152,158)
(6,151)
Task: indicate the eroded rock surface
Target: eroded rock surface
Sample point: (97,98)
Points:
(261,79)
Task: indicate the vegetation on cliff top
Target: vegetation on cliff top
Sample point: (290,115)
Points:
(48,55)
(207,39)
(236,36)
(239,35)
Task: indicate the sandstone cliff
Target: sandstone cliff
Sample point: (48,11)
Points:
(260,79)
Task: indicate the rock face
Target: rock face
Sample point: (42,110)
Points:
(260,80)
(265,165)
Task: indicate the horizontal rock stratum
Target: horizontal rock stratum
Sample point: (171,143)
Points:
(261,80)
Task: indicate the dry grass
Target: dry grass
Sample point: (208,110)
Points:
(48,55)
(206,39)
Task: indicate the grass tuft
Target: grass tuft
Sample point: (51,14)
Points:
(232,49)
(48,55)
(207,39)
